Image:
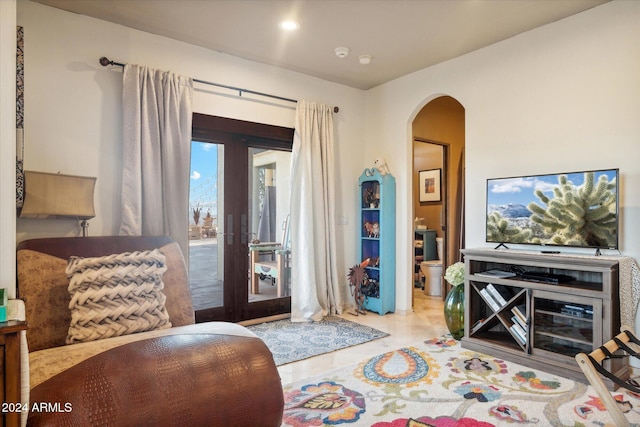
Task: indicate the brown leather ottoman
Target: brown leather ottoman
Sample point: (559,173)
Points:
(177,380)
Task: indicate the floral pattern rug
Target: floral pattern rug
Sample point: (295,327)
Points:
(437,383)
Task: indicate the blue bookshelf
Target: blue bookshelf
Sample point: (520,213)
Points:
(377,237)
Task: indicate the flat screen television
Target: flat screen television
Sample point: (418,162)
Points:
(576,209)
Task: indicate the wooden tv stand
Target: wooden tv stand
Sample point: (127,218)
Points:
(562,319)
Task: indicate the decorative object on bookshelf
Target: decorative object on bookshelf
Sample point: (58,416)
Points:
(381,165)
(454,302)
(371,288)
(372,229)
(370,262)
(371,197)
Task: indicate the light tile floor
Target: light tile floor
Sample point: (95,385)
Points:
(426,321)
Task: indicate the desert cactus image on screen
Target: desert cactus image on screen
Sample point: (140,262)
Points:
(499,229)
(575,210)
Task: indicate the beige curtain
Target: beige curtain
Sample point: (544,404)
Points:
(157,116)
(315,290)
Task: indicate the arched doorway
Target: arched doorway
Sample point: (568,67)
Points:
(438,135)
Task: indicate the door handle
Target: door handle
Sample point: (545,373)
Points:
(230,232)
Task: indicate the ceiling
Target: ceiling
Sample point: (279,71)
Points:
(402,36)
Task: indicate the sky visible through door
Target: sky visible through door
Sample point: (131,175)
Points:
(203,180)
(206,264)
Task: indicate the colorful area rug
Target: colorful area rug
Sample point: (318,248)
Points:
(437,383)
(292,341)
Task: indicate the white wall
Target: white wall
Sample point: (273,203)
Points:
(560,98)
(8,145)
(73,107)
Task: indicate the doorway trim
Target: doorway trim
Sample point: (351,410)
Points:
(444,220)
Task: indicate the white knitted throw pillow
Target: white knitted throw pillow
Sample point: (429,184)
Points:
(116,295)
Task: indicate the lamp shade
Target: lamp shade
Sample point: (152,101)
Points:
(51,195)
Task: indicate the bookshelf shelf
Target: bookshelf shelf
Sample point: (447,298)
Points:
(553,321)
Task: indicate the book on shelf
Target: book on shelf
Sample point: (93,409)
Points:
(477,325)
(489,299)
(519,321)
(520,311)
(496,273)
(517,335)
(521,331)
(500,293)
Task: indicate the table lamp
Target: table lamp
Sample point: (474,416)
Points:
(51,195)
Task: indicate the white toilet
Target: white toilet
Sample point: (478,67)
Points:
(432,271)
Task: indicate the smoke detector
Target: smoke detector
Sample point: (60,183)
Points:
(342,52)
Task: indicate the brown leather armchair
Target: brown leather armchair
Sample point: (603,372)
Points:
(213,374)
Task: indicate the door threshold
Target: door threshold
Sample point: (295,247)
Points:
(265,319)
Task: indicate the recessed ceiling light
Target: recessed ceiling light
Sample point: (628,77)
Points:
(289,25)
(365,59)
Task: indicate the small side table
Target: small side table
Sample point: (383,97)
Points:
(10,371)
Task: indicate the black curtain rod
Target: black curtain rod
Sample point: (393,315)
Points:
(104,61)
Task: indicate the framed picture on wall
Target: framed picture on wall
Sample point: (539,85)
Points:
(429,185)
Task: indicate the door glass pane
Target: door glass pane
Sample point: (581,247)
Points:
(269,247)
(206,215)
